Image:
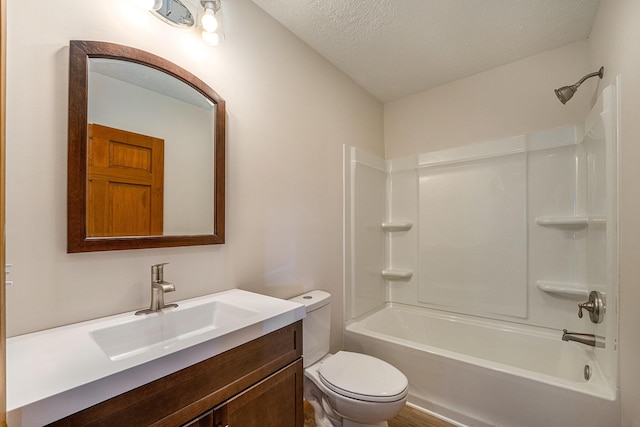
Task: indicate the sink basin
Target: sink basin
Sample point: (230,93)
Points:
(166,328)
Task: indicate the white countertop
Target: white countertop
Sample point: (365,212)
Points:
(57,372)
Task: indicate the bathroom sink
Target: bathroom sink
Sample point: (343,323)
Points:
(115,354)
(167,328)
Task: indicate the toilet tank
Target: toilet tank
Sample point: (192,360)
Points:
(316,325)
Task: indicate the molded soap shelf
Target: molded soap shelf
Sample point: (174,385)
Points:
(566,289)
(574,221)
(397,225)
(397,274)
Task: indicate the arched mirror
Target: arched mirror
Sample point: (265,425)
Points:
(146,152)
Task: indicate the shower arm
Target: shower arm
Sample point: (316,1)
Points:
(598,73)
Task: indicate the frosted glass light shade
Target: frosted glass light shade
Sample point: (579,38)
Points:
(211,38)
(209,21)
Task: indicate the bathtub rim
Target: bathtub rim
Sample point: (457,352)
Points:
(598,386)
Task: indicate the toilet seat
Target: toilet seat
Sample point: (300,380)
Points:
(363,377)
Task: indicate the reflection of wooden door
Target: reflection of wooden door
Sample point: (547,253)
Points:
(125,183)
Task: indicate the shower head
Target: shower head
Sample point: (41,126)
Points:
(566,92)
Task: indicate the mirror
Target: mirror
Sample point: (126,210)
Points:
(146,165)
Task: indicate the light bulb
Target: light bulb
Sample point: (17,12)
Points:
(211,38)
(209,21)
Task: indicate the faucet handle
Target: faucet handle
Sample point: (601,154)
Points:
(587,306)
(595,307)
(160,266)
(157,271)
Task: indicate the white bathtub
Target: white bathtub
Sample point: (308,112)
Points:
(488,373)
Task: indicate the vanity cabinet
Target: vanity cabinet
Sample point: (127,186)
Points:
(259,383)
(269,403)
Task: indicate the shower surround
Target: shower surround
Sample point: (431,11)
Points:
(463,266)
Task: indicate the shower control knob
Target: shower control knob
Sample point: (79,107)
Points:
(595,307)
(587,306)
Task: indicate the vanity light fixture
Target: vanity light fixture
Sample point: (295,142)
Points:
(149,4)
(211,38)
(174,13)
(209,21)
(177,14)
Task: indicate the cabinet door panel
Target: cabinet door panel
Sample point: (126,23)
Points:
(274,402)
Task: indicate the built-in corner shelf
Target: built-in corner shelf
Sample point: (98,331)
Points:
(569,221)
(565,289)
(397,274)
(397,225)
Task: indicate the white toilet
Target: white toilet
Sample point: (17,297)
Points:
(345,389)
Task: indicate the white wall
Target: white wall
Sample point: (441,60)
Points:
(288,114)
(510,100)
(614,45)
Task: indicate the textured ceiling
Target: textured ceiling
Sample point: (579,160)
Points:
(394,48)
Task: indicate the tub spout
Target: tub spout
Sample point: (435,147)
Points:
(587,339)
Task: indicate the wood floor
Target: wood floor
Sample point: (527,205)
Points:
(408,417)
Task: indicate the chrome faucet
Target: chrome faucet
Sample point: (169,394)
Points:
(587,339)
(158,288)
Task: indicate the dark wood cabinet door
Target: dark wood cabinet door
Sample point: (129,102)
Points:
(274,402)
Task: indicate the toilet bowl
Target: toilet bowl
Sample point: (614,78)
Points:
(345,389)
(360,389)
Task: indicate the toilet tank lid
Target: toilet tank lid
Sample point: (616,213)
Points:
(313,300)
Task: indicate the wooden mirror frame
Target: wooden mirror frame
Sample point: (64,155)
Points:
(77,239)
